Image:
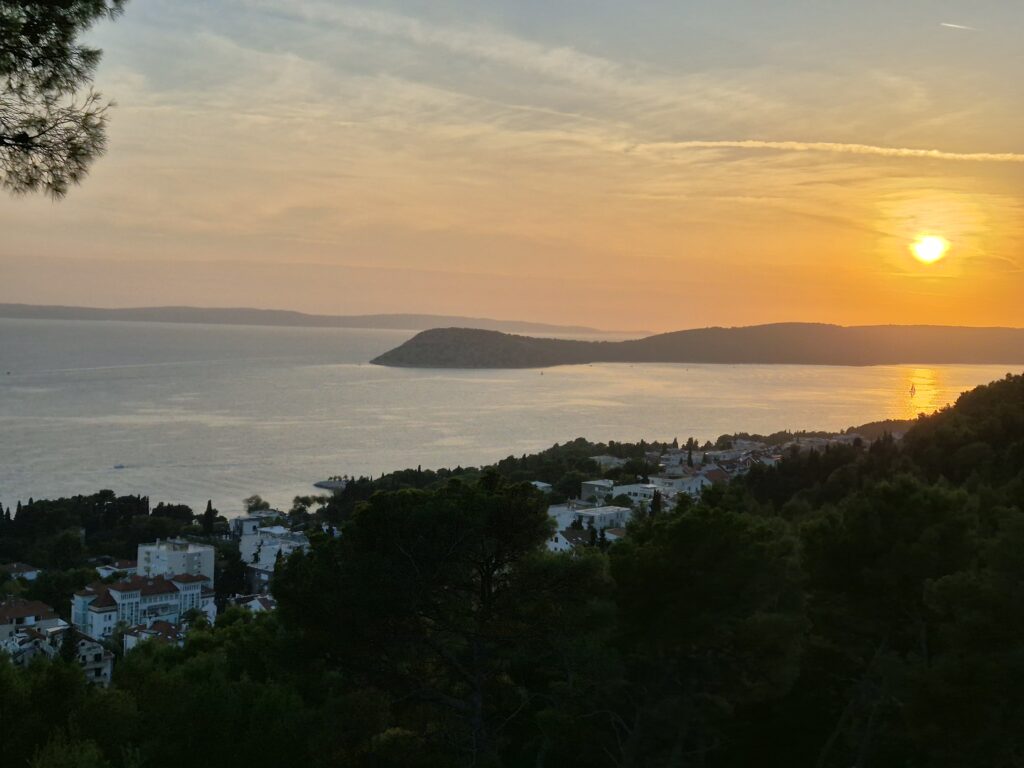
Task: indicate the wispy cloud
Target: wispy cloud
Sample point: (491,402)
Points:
(949,25)
(838,148)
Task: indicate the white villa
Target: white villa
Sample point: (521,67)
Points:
(99,608)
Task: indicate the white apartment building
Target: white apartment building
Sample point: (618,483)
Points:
(174,557)
(99,608)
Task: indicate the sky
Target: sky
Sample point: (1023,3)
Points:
(656,164)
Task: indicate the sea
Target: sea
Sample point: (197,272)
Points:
(190,413)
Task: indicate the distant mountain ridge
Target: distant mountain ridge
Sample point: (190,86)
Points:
(278,317)
(780,343)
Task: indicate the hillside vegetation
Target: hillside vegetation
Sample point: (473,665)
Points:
(783,343)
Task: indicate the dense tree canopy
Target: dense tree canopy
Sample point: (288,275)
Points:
(52,124)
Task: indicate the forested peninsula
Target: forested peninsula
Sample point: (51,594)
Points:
(780,343)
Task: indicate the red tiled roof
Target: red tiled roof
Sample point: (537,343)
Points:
(161,631)
(188,578)
(16,608)
(155,585)
(145,586)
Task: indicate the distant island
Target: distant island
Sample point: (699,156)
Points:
(279,317)
(780,343)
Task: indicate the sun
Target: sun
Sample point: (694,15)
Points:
(930,248)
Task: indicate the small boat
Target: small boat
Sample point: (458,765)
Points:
(119,466)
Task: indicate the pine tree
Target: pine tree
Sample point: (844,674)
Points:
(209,516)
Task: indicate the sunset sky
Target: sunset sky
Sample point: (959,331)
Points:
(654,164)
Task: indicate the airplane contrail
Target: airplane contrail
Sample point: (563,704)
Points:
(840,148)
(947,25)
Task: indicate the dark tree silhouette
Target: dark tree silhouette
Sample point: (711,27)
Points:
(52,124)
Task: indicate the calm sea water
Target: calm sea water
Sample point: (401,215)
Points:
(191,412)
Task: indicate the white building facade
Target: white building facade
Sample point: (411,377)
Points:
(175,557)
(100,608)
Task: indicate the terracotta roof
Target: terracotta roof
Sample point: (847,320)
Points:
(576,537)
(145,586)
(161,631)
(16,608)
(717,475)
(155,585)
(188,578)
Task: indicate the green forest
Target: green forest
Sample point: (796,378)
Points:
(855,607)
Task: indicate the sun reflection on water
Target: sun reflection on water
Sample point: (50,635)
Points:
(922,392)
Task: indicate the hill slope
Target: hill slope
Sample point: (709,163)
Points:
(275,317)
(781,343)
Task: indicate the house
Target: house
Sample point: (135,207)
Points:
(116,568)
(247,525)
(643,492)
(17,614)
(18,571)
(99,608)
(96,661)
(559,542)
(716,475)
(158,631)
(615,534)
(260,551)
(175,557)
(255,603)
(27,644)
(542,487)
(608,462)
(691,483)
(596,491)
(604,517)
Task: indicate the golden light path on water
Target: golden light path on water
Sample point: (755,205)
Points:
(923,392)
